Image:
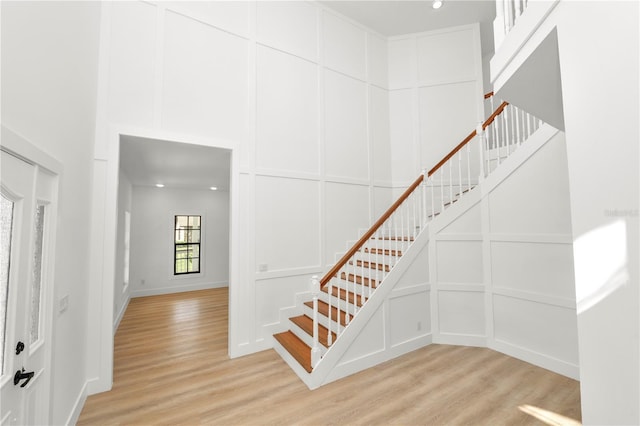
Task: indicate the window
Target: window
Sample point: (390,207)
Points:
(186,254)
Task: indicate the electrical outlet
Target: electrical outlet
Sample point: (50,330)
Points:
(263,267)
(419,325)
(142,282)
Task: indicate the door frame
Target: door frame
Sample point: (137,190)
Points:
(18,146)
(101,321)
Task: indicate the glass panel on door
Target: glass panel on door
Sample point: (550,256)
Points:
(36,275)
(6,225)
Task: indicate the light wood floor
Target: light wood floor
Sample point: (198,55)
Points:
(171,367)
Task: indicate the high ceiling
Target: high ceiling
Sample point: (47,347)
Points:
(397,17)
(147,162)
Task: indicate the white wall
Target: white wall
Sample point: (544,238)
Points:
(49,80)
(152,224)
(502,273)
(298,93)
(121,290)
(435,96)
(598,61)
(603,154)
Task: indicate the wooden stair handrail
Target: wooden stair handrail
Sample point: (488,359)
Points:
(348,255)
(468,139)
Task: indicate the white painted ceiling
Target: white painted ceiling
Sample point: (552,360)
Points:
(147,162)
(397,17)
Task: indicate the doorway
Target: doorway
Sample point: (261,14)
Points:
(173,219)
(111,287)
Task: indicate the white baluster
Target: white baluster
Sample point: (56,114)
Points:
(395,235)
(468,167)
(451,180)
(381,230)
(503,136)
(424,199)
(433,201)
(512,114)
(362,295)
(347,318)
(499,25)
(518,11)
(517,139)
(460,189)
(441,191)
(329,323)
(480,135)
(507,16)
(315,350)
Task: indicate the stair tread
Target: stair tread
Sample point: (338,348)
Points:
(385,252)
(306,324)
(393,238)
(358,279)
(296,347)
(323,308)
(371,265)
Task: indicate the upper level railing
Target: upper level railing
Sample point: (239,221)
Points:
(507,13)
(354,278)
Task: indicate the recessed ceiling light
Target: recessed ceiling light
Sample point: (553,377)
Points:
(159,185)
(213,188)
(437,4)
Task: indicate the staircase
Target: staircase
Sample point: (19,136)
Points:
(345,296)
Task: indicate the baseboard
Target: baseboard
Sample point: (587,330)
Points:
(536,358)
(460,339)
(177,289)
(123,309)
(78,405)
(362,363)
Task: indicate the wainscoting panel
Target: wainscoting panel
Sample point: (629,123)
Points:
(287,229)
(461,312)
(537,327)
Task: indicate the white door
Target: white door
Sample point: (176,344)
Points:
(26,226)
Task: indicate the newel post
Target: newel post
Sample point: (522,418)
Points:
(481,139)
(315,350)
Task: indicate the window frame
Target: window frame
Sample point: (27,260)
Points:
(177,244)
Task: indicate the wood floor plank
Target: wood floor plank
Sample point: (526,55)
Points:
(171,367)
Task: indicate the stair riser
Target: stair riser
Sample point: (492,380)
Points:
(349,286)
(335,327)
(364,271)
(376,258)
(337,302)
(306,338)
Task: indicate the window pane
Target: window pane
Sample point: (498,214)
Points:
(181,266)
(36,275)
(182,222)
(187,244)
(6,225)
(182,252)
(194,221)
(194,265)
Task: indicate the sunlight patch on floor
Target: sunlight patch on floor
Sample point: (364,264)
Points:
(548,417)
